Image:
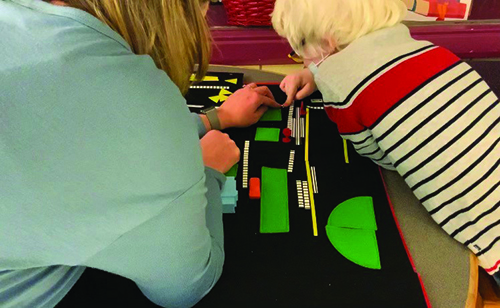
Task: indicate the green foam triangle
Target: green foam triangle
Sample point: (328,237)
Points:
(233,171)
(357,245)
(355,213)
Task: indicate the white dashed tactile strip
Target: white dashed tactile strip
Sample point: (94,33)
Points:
(246,152)
(209,87)
(314,179)
(300,196)
(291,160)
(305,191)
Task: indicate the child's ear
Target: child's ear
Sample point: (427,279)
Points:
(331,43)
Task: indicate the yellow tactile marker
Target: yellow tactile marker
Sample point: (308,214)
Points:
(309,181)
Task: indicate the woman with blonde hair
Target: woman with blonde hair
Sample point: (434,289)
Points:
(407,105)
(101,162)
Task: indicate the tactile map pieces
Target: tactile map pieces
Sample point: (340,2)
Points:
(267,134)
(351,230)
(229,195)
(297,126)
(314,179)
(233,171)
(206,78)
(354,213)
(272,114)
(208,87)
(223,95)
(289,123)
(300,195)
(290,160)
(302,128)
(254,191)
(246,151)
(274,217)
(305,191)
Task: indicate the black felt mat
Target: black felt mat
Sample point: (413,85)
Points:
(293,269)
(296,269)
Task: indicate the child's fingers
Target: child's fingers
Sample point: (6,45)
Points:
(290,91)
(305,91)
(283,85)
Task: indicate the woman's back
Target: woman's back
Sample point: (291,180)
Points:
(100,161)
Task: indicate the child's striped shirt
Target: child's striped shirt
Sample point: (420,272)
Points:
(416,108)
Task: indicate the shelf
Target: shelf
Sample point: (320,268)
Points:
(472,39)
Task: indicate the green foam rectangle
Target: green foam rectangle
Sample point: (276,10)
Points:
(274,201)
(272,114)
(267,134)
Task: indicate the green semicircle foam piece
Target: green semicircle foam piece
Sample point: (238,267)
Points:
(357,245)
(355,213)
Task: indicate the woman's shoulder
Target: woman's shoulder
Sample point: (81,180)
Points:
(86,83)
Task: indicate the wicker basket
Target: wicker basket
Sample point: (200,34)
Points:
(249,12)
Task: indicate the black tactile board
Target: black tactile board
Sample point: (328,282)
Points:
(201,97)
(292,269)
(296,269)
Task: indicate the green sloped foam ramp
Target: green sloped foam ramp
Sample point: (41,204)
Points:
(351,230)
(355,213)
(357,245)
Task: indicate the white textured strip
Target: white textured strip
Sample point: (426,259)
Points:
(209,87)
(246,152)
(297,126)
(290,117)
(314,179)
(302,128)
(291,160)
(299,193)
(305,191)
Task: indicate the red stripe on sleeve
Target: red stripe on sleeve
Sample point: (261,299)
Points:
(388,89)
(346,120)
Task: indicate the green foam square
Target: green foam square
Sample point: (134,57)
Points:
(272,114)
(267,134)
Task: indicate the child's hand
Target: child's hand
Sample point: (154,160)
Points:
(298,86)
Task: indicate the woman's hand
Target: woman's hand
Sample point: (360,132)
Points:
(219,151)
(298,86)
(246,106)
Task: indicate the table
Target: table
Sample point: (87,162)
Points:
(443,263)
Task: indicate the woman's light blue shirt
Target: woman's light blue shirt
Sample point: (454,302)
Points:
(100,165)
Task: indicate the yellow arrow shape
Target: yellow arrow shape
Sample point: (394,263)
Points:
(224,92)
(215,99)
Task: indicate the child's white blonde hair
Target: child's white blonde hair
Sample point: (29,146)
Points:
(309,25)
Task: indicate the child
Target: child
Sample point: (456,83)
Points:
(407,105)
